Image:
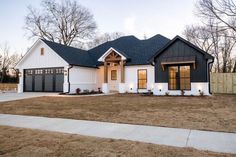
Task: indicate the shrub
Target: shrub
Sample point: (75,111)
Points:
(78,90)
(86,91)
(150,92)
(167,93)
(99,90)
(201,93)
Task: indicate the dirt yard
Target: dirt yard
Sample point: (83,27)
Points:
(216,113)
(34,143)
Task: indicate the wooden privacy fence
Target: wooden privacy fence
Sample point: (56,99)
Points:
(8,87)
(223,83)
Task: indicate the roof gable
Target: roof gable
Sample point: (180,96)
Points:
(174,40)
(31,57)
(122,54)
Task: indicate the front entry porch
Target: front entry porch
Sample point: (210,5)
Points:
(114,73)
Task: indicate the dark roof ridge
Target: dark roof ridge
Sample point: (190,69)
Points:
(157,35)
(122,37)
(63,45)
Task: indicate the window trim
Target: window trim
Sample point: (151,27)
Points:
(178,80)
(141,79)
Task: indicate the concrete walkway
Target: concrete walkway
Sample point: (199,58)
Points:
(203,140)
(18,96)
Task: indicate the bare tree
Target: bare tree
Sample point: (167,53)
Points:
(217,33)
(226,51)
(224,11)
(66,22)
(215,37)
(234,67)
(7,60)
(200,36)
(214,41)
(104,38)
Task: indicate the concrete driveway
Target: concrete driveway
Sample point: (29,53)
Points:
(18,96)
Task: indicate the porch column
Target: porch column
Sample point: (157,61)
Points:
(122,81)
(122,71)
(105,72)
(105,88)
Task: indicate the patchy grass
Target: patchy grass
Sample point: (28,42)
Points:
(206,113)
(34,143)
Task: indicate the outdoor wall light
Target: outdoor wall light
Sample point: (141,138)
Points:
(19,74)
(160,88)
(199,88)
(131,86)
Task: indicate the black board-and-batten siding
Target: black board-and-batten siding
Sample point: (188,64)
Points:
(178,49)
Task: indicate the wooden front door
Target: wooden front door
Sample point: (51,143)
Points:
(114,78)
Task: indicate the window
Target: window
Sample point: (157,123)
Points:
(142,79)
(29,72)
(59,71)
(49,71)
(38,71)
(173,75)
(179,78)
(113,75)
(42,51)
(185,77)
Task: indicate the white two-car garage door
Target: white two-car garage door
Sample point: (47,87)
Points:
(44,80)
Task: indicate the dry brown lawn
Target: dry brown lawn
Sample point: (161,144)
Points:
(216,113)
(34,143)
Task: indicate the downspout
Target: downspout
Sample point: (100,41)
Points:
(68,77)
(208,68)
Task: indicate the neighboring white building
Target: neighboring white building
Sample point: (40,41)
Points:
(122,65)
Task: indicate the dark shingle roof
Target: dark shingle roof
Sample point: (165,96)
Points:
(71,55)
(138,51)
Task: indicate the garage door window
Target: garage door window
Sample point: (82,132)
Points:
(59,71)
(29,72)
(48,71)
(38,71)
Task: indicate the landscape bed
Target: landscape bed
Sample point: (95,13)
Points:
(42,143)
(216,113)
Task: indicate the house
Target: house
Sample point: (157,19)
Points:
(124,65)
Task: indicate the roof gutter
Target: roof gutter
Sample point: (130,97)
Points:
(208,67)
(68,77)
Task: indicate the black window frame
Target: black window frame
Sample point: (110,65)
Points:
(141,79)
(178,78)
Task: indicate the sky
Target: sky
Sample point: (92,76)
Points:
(133,17)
